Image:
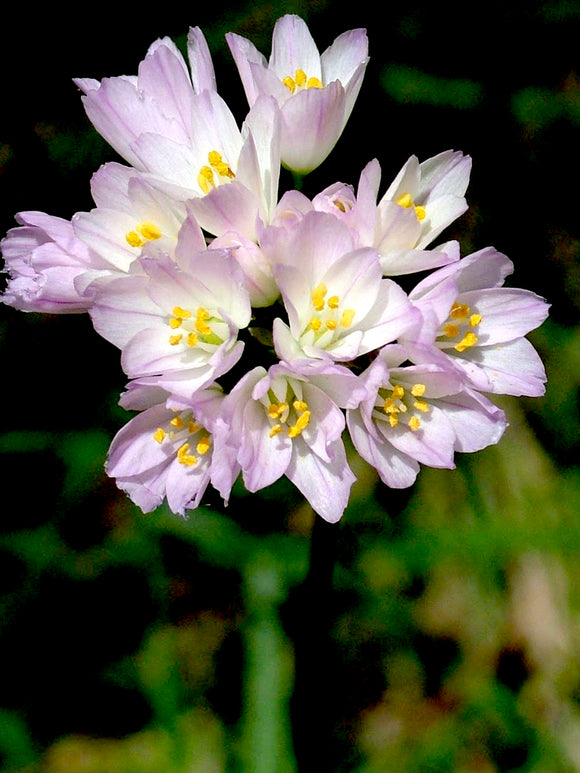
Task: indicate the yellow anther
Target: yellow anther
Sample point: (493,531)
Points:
(289,83)
(318,296)
(134,240)
(421,406)
(174,322)
(275,410)
(174,340)
(149,231)
(192,339)
(300,78)
(347,317)
(331,324)
(468,340)
(459,311)
(390,406)
(205,179)
(418,390)
(314,83)
(451,331)
(414,423)
(300,426)
(192,426)
(177,422)
(333,302)
(184,457)
(203,446)
(420,211)
(393,419)
(474,320)
(159,435)
(339,205)
(276,429)
(398,392)
(315,324)
(214,158)
(181,313)
(200,324)
(406,200)
(300,406)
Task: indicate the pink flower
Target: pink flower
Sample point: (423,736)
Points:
(46,262)
(166,451)
(478,326)
(316,93)
(176,325)
(279,422)
(418,414)
(338,304)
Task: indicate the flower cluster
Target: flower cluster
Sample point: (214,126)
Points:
(257,329)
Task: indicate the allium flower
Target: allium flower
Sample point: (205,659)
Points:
(316,93)
(45,261)
(418,414)
(480,326)
(278,422)
(177,324)
(183,135)
(166,451)
(338,304)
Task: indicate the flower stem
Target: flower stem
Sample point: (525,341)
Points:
(315,680)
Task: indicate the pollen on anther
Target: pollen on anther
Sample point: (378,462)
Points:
(315,324)
(414,423)
(347,317)
(398,392)
(421,406)
(474,320)
(468,340)
(174,340)
(184,457)
(177,422)
(276,429)
(203,445)
(300,405)
(331,324)
(418,390)
(318,296)
(159,435)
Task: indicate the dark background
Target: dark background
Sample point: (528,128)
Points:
(144,643)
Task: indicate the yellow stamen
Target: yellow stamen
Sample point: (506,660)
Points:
(181,313)
(205,179)
(192,426)
(177,422)
(390,406)
(333,302)
(300,78)
(315,324)
(160,435)
(468,340)
(393,420)
(184,457)
(406,200)
(347,317)
(301,424)
(174,340)
(418,390)
(134,239)
(459,311)
(149,231)
(276,429)
(314,83)
(398,392)
(175,323)
(331,324)
(474,320)
(420,212)
(421,406)
(200,324)
(414,423)
(289,83)
(192,339)
(203,446)
(317,296)
(451,331)
(300,406)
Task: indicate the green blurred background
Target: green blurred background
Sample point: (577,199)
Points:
(447,637)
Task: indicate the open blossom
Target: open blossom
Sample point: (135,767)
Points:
(174,126)
(339,306)
(479,326)
(45,261)
(418,414)
(278,422)
(166,451)
(316,93)
(176,323)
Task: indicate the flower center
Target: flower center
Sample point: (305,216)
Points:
(199,328)
(290,415)
(329,316)
(400,406)
(458,332)
(143,232)
(216,171)
(183,432)
(301,81)
(406,201)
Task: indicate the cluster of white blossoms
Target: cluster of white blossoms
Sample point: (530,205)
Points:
(256,328)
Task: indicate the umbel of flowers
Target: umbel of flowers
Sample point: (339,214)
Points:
(256,328)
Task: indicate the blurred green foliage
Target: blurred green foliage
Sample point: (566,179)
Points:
(449,638)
